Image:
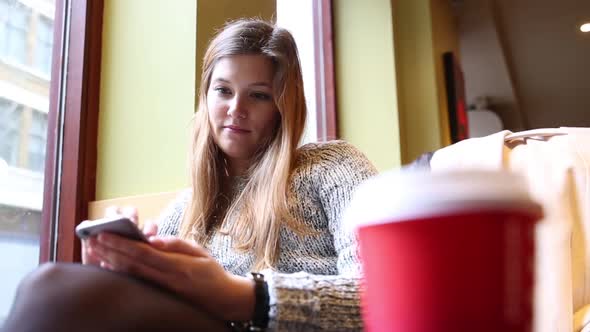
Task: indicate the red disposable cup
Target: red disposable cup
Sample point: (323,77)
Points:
(446,251)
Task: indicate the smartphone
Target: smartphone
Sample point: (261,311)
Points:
(119,225)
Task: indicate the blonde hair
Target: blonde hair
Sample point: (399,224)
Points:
(263,203)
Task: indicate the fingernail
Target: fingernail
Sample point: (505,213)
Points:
(112,211)
(101,238)
(130,212)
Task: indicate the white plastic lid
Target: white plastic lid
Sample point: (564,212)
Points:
(403,195)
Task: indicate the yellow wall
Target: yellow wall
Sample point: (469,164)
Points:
(424,30)
(365,79)
(147,96)
(390,80)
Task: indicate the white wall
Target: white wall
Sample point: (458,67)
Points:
(530,57)
(484,62)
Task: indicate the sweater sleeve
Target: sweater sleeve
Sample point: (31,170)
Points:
(307,302)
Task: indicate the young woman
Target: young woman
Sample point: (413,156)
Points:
(257,203)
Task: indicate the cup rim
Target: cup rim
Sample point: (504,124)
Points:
(398,196)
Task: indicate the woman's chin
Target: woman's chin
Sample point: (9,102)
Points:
(237,152)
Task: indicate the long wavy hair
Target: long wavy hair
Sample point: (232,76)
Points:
(262,206)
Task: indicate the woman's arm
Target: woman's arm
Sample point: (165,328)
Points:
(309,302)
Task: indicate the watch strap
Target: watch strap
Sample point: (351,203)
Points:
(262,303)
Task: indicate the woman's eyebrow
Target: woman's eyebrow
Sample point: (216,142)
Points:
(255,84)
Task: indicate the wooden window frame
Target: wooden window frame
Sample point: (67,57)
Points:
(70,165)
(326,108)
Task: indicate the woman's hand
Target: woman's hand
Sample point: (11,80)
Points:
(149,229)
(182,267)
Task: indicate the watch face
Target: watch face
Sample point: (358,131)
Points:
(257,276)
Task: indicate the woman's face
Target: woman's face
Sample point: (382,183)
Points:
(241,107)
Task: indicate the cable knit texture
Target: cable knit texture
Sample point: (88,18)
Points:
(315,284)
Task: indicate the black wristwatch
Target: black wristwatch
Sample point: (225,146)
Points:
(262,303)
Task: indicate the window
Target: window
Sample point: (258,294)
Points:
(37,141)
(310,22)
(44,45)
(3,17)
(23,140)
(10,126)
(14,26)
(19,249)
(23,136)
(26,34)
(34,218)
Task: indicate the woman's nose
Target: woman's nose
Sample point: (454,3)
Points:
(237,108)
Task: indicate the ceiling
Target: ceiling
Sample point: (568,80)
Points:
(530,58)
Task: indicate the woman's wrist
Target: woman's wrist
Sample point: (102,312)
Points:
(243,293)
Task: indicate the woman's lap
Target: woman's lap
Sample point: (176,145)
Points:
(74,297)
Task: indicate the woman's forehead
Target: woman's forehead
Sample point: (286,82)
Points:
(252,68)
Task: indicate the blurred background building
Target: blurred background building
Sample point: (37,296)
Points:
(26,41)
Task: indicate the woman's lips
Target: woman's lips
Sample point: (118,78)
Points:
(236,129)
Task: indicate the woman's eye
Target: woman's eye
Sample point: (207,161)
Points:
(222,90)
(261,96)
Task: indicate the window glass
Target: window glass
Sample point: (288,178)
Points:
(25,43)
(15,26)
(44,44)
(37,141)
(10,124)
(3,18)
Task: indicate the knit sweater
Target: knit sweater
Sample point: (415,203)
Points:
(315,283)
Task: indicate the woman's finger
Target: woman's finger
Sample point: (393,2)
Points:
(107,266)
(127,211)
(150,228)
(88,256)
(139,251)
(112,211)
(91,256)
(131,213)
(121,263)
(173,244)
(121,244)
